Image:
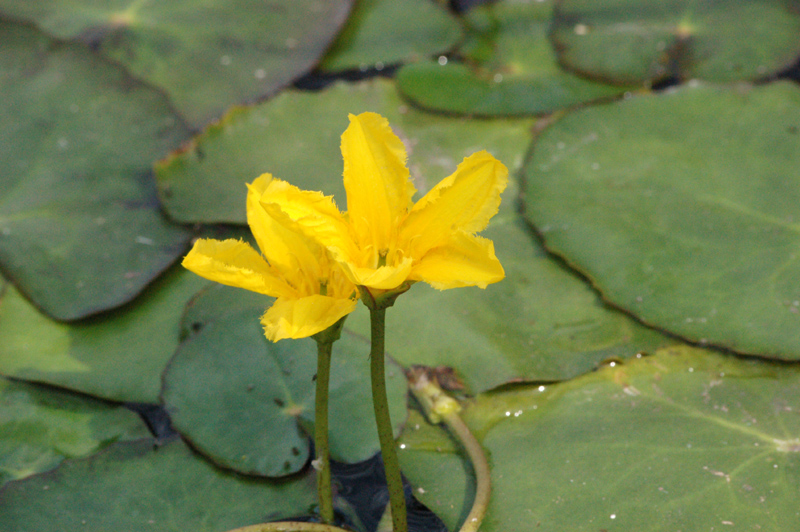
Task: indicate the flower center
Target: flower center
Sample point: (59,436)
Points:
(382,254)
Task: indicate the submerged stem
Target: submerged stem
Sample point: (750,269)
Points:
(380,402)
(439,407)
(480,465)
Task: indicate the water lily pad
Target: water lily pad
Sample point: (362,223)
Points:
(245,401)
(296,137)
(510,68)
(682,208)
(635,41)
(205,55)
(119,355)
(39,427)
(80,226)
(385,32)
(141,486)
(702,441)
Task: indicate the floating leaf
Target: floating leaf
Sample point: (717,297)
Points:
(635,41)
(119,355)
(205,55)
(510,68)
(295,137)
(141,486)
(683,209)
(80,227)
(239,398)
(39,427)
(385,32)
(700,440)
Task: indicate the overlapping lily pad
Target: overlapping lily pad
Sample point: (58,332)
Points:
(141,486)
(80,227)
(635,41)
(39,427)
(295,137)
(509,68)
(682,208)
(244,401)
(385,32)
(205,55)
(118,356)
(699,440)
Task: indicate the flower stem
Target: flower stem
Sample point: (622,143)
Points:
(323,462)
(380,402)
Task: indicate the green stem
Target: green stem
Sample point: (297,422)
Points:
(439,407)
(380,402)
(323,462)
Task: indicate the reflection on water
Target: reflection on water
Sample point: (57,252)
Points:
(363,486)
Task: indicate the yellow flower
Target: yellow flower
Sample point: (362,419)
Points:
(312,292)
(384,239)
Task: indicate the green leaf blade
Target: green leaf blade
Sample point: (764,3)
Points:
(206,56)
(681,209)
(699,439)
(145,486)
(81,230)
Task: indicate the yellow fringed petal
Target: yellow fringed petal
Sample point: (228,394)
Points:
(465,201)
(299,318)
(376,179)
(310,248)
(289,251)
(257,217)
(466,260)
(314,214)
(234,263)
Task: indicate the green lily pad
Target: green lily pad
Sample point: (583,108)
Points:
(682,208)
(119,355)
(385,32)
(635,41)
(247,403)
(206,182)
(510,68)
(205,55)
(142,486)
(39,427)
(702,441)
(80,226)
